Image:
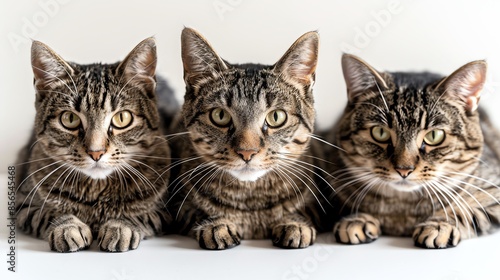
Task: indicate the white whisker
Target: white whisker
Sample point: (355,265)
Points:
(210,167)
(307,185)
(53,185)
(381,94)
(326,142)
(301,164)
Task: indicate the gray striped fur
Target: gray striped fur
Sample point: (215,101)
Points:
(445,192)
(97,180)
(245,180)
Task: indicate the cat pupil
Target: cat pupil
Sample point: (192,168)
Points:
(122,117)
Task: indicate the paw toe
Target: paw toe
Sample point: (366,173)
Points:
(436,235)
(293,236)
(70,237)
(357,230)
(218,237)
(118,237)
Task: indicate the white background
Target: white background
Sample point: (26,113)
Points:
(439,36)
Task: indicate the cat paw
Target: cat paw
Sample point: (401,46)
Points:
(218,236)
(436,235)
(69,235)
(357,229)
(293,236)
(118,236)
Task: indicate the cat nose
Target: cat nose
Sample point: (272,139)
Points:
(96,155)
(247,154)
(405,171)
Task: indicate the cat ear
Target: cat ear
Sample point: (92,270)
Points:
(299,62)
(139,67)
(466,84)
(48,67)
(360,77)
(198,57)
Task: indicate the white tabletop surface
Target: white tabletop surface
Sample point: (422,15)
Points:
(178,257)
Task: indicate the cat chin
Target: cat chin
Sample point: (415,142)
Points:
(247,175)
(405,187)
(97,173)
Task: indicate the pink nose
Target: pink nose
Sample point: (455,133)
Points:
(247,155)
(405,171)
(96,155)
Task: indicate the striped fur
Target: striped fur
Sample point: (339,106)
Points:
(245,179)
(404,186)
(98,179)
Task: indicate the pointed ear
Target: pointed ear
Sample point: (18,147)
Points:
(198,57)
(48,67)
(360,77)
(466,84)
(299,62)
(139,67)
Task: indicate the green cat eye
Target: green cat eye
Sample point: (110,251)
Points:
(122,119)
(276,118)
(434,137)
(380,134)
(220,117)
(70,120)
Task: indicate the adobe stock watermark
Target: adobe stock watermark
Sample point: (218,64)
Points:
(490,87)
(309,265)
(11,220)
(363,36)
(123,274)
(31,25)
(223,7)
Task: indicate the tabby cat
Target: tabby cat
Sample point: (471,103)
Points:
(242,175)
(417,158)
(91,168)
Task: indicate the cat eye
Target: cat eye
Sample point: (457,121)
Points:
(70,120)
(220,117)
(380,134)
(434,137)
(276,118)
(122,119)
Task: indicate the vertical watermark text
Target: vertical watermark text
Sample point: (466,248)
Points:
(31,25)
(11,219)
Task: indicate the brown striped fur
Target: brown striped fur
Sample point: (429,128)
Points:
(245,179)
(97,179)
(404,186)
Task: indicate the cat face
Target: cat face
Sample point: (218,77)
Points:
(95,117)
(245,118)
(407,131)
